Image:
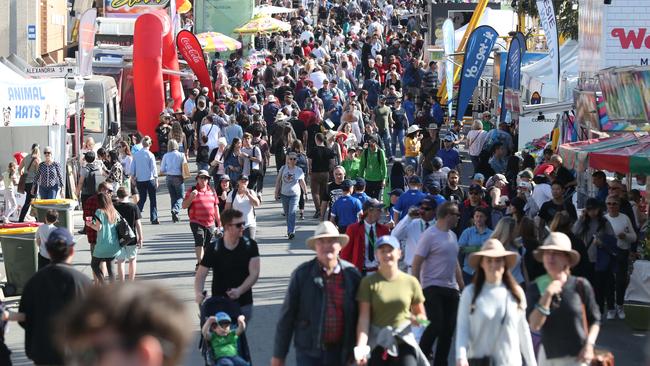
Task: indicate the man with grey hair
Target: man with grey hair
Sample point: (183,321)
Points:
(172,166)
(144,174)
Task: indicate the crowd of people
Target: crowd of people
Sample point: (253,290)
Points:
(345,107)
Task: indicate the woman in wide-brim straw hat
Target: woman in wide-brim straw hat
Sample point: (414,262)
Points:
(559,304)
(491,319)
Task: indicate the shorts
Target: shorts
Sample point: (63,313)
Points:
(202,235)
(319,182)
(127,254)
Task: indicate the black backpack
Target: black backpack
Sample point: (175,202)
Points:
(90,182)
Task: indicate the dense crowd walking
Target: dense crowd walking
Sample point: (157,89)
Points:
(410,264)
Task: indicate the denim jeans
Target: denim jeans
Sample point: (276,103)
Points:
(290,207)
(231,361)
(398,138)
(385,137)
(202,166)
(47,193)
(176,189)
(148,188)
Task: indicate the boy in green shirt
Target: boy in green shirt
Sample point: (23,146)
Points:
(223,340)
(373,168)
(351,164)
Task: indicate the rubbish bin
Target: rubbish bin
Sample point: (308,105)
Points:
(20,257)
(64,207)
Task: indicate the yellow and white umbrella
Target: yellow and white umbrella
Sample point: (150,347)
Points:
(263,24)
(215,41)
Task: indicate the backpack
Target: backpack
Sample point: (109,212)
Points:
(90,182)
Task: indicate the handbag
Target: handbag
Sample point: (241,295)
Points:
(186,170)
(23,179)
(487,360)
(125,233)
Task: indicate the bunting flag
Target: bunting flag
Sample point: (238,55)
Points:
(479,47)
(549,24)
(191,50)
(513,69)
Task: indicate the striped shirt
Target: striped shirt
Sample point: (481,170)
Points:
(49,175)
(204,208)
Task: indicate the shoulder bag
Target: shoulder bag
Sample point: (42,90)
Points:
(488,360)
(125,233)
(23,179)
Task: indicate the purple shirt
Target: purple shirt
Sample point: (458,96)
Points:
(440,252)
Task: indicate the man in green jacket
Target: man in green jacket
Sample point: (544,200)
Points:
(373,168)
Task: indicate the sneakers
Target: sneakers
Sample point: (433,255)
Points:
(316,215)
(175,217)
(611,314)
(302,215)
(620,312)
(291,236)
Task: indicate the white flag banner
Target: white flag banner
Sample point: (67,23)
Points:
(549,24)
(449,43)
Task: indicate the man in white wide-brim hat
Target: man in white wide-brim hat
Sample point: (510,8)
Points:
(325,282)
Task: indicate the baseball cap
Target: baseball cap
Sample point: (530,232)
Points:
(396,192)
(224,177)
(223,317)
(432,126)
(429,201)
(90,155)
(449,137)
(475,188)
(479,176)
(544,169)
(202,173)
(387,240)
(352,94)
(372,203)
(359,183)
(243,177)
(60,234)
(501,177)
(414,179)
(433,185)
(347,184)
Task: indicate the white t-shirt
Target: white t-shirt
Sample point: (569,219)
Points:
(213,135)
(622,225)
(43,232)
(290,180)
(542,193)
(475,141)
(243,204)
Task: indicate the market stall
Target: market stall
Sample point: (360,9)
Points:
(576,154)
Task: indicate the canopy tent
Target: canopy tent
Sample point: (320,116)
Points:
(538,77)
(620,159)
(576,154)
(503,21)
(263,24)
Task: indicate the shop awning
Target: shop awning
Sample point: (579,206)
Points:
(576,154)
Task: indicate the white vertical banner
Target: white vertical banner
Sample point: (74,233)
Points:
(549,24)
(449,43)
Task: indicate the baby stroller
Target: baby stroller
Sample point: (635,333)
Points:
(209,308)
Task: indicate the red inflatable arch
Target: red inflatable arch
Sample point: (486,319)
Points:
(153,50)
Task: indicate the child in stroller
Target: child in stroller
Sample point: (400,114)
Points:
(222,343)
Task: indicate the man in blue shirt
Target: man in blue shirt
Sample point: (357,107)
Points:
(346,209)
(449,155)
(499,161)
(473,238)
(145,175)
(360,190)
(412,197)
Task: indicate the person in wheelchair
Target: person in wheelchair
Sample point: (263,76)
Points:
(223,339)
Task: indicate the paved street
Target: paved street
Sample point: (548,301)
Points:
(168,258)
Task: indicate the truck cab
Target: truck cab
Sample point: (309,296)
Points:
(101,112)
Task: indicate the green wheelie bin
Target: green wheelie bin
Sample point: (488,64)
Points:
(20,257)
(65,208)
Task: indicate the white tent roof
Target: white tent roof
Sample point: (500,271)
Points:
(503,21)
(538,76)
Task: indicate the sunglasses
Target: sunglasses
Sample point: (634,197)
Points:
(47,153)
(239,225)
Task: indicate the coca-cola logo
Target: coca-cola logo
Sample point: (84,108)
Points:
(190,50)
(636,38)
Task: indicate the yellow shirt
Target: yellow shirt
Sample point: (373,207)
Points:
(412,146)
